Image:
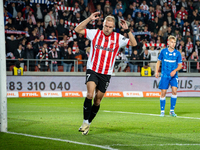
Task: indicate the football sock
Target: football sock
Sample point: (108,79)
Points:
(162,104)
(87,108)
(173,102)
(93,113)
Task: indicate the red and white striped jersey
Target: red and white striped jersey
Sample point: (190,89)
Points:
(103,50)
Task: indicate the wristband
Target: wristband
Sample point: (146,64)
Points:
(126,30)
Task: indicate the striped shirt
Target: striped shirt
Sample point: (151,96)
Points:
(103,50)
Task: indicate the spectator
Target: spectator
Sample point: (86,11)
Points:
(54,54)
(26,10)
(50,28)
(61,29)
(76,8)
(39,13)
(181,47)
(81,41)
(68,55)
(10,25)
(66,40)
(20,55)
(140,26)
(121,61)
(67,15)
(117,9)
(49,18)
(52,36)
(99,24)
(132,63)
(139,18)
(189,47)
(196,30)
(77,18)
(184,63)
(82,6)
(32,17)
(43,62)
(79,63)
(17,69)
(100,11)
(108,10)
(40,29)
(12,43)
(72,33)
(33,35)
(86,12)
(145,56)
(154,57)
(19,21)
(30,25)
(13,9)
(30,55)
(194,64)
(174,8)
(168,33)
(74,46)
(196,47)
(144,5)
(182,13)
(146,70)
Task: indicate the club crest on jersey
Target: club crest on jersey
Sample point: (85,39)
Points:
(112,41)
(174,54)
(104,48)
(166,53)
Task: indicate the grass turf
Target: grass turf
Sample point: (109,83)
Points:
(122,123)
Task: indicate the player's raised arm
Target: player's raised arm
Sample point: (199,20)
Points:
(131,37)
(80,28)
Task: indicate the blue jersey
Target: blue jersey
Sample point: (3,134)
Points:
(170,61)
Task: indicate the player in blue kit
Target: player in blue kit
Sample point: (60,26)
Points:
(171,63)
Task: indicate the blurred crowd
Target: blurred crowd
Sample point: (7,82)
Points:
(42,31)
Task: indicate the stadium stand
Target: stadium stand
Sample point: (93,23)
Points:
(47,24)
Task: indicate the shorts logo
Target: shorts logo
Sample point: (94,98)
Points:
(107,83)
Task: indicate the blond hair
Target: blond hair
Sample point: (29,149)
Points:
(171,37)
(110,18)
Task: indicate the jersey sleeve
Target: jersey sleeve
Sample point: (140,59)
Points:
(123,41)
(160,57)
(90,33)
(179,58)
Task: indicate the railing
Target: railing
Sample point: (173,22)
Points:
(10,63)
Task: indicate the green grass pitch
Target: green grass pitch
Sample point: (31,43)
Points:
(122,123)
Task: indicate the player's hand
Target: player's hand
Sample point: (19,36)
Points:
(157,75)
(123,24)
(94,16)
(172,73)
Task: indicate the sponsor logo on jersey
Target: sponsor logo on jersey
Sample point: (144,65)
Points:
(104,48)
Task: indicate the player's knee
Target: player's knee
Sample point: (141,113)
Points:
(89,95)
(163,94)
(97,102)
(174,92)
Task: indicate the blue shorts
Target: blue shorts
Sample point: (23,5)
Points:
(166,81)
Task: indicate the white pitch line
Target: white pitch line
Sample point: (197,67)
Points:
(175,144)
(122,112)
(40,111)
(62,140)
